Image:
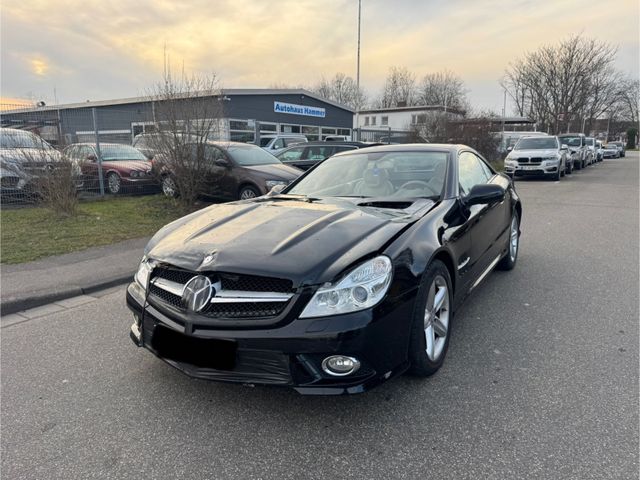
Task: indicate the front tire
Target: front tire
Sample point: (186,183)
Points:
(113,183)
(508,262)
(248,192)
(432,319)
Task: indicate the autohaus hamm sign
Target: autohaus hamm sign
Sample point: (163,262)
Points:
(293,109)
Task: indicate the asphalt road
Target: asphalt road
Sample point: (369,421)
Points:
(541,380)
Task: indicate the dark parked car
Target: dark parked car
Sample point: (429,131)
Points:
(123,167)
(24,157)
(233,170)
(540,155)
(350,276)
(306,156)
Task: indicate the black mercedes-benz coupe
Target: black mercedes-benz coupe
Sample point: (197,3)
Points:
(347,277)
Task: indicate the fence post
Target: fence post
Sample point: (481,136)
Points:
(95,129)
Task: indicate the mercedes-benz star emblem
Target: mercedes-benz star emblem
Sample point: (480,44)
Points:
(197,292)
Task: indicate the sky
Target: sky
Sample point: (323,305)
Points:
(69,51)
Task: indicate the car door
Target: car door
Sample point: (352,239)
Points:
(487,223)
(220,172)
(293,156)
(88,160)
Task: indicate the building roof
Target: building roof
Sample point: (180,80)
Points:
(149,98)
(413,108)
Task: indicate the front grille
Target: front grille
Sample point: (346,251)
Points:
(9,182)
(245,310)
(165,296)
(228,281)
(529,161)
(251,283)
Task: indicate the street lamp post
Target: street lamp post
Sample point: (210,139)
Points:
(358,72)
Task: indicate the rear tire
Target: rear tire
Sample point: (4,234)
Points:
(432,320)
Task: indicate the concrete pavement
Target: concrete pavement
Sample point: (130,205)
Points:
(541,378)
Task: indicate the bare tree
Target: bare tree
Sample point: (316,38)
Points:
(341,89)
(556,84)
(399,88)
(629,98)
(188,113)
(442,88)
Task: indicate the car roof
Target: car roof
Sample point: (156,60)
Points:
(105,144)
(332,143)
(414,147)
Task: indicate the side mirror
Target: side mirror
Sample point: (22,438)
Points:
(509,148)
(92,158)
(483,194)
(221,162)
(276,189)
(564,147)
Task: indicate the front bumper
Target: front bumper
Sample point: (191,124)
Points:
(290,354)
(545,168)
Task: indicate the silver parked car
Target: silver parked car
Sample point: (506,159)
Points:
(24,157)
(536,156)
(578,150)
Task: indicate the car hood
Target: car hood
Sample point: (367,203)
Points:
(285,237)
(276,171)
(128,165)
(534,153)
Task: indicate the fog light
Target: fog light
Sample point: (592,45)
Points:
(339,365)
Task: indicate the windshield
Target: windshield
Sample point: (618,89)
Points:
(617,144)
(536,143)
(571,141)
(120,152)
(17,139)
(589,141)
(377,174)
(251,155)
(264,141)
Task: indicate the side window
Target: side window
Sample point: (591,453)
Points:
(213,153)
(292,154)
(486,168)
(85,151)
(343,149)
(292,141)
(279,143)
(471,172)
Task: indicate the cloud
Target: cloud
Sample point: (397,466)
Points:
(116,49)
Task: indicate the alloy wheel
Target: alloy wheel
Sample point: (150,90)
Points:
(436,318)
(247,193)
(169,187)
(113,182)
(513,239)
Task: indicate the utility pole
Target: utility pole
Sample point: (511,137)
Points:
(358,71)
(504,108)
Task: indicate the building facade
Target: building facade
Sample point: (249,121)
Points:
(243,113)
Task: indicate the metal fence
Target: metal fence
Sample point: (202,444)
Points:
(385,135)
(45,148)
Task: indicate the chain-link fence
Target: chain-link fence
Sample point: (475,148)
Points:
(82,151)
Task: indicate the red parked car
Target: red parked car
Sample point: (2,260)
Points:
(124,168)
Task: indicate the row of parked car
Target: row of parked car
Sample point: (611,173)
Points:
(556,156)
(239,170)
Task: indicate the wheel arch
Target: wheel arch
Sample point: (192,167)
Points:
(248,183)
(445,257)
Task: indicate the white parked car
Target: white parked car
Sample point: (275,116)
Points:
(275,143)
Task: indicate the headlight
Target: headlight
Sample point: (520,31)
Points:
(133,174)
(144,272)
(550,159)
(362,288)
(273,183)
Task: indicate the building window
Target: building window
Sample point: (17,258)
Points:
(312,133)
(413,119)
(285,128)
(384,121)
(239,131)
(366,121)
(422,119)
(373,120)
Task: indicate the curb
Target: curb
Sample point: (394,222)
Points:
(14,305)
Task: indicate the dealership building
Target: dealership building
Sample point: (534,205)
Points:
(244,113)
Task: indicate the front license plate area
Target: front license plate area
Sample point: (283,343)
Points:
(529,167)
(201,352)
